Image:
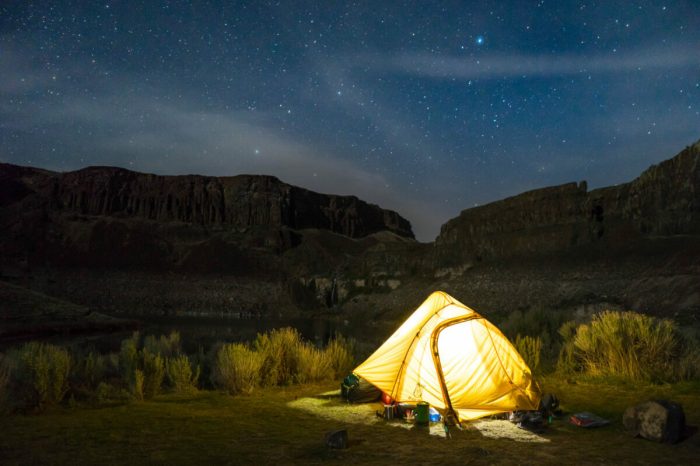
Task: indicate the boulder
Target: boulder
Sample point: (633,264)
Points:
(659,420)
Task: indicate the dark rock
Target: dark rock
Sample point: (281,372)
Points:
(660,421)
(664,200)
(237,201)
(337,439)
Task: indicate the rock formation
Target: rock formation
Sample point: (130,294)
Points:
(127,242)
(664,200)
(214,202)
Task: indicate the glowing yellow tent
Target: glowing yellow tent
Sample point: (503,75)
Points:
(453,358)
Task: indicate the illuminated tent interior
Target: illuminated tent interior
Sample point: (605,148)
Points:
(451,357)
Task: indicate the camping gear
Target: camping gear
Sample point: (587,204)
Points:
(434,415)
(549,405)
(528,420)
(405,411)
(586,419)
(355,389)
(449,356)
(389,412)
(422,413)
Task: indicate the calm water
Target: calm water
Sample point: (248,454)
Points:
(196,332)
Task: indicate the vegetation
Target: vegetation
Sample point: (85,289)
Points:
(286,425)
(181,376)
(279,357)
(237,368)
(606,364)
(530,349)
(631,346)
(39,375)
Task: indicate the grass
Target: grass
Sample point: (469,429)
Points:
(286,425)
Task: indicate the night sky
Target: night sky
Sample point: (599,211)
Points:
(426,107)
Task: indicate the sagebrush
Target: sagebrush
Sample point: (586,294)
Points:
(629,345)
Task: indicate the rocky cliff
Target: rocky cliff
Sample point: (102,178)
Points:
(126,242)
(228,202)
(664,200)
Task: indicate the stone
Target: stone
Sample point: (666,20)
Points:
(337,439)
(236,202)
(663,200)
(659,421)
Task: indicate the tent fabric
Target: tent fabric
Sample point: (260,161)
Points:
(450,356)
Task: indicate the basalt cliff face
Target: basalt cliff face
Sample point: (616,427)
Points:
(663,201)
(230,202)
(122,242)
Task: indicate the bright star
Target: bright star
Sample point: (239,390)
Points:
(479,40)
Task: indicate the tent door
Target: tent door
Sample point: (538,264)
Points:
(436,358)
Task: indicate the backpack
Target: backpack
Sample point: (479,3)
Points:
(355,389)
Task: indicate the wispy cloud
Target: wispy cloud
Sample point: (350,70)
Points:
(523,65)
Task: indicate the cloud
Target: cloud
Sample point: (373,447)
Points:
(523,65)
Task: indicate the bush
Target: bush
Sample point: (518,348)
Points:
(153,374)
(279,349)
(42,374)
(165,346)
(629,345)
(180,374)
(129,358)
(530,349)
(237,368)
(567,362)
(92,369)
(137,390)
(313,365)
(538,323)
(339,353)
(106,393)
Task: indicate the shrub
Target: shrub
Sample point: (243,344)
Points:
(530,349)
(180,374)
(165,346)
(339,353)
(106,393)
(42,374)
(237,368)
(92,369)
(279,349)
(129,358)
(537,323)
(628,345)
(567,362)
(153,374)
(137,388)
(313,365)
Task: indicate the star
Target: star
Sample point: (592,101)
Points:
(480,40)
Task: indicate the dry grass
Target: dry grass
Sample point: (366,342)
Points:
(632,346)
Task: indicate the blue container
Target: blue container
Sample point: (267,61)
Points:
(433,415)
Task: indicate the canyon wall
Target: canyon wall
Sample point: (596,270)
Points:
(228,202)
(663,200)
